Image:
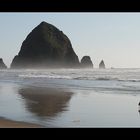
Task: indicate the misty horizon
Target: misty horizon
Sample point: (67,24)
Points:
(53,77)
(113,37)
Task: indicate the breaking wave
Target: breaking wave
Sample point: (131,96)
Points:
(45,76)
(106,81)
(71,77)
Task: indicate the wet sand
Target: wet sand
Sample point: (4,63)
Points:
(71,108)
(4,123)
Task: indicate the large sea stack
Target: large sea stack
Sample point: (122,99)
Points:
(46,46)
(86,62)
(102,65)
(2,65)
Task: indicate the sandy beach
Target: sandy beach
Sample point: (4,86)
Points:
(4,123)
(34,100)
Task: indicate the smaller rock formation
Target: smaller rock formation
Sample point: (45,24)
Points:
(2,65)
(86,62)
(102,65)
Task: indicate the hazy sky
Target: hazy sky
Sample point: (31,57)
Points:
(113,37)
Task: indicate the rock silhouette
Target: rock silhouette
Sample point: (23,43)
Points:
(102,65)
(86,62)
(46,46)
(2,65)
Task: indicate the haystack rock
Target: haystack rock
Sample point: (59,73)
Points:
(46,46)
(102,65)
(86,62)
(2,65)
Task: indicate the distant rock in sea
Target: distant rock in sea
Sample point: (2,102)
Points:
(86,62)
(2,65)
(46,46)
(102,65)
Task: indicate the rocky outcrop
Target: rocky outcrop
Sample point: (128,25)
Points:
(46,46)
(86,62)
(2,65)
(102,65)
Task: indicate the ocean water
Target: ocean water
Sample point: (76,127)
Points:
(71,97)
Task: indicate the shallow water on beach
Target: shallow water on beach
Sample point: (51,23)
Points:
(71,98)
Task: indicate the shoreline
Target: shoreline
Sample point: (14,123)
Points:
(5,123)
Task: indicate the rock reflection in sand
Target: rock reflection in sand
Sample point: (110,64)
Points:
(45,102)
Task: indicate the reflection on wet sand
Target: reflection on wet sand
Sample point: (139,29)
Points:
(45,102)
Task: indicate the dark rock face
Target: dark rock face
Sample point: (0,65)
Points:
(102,65)
(86,62)
(2,65)
(46,46)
